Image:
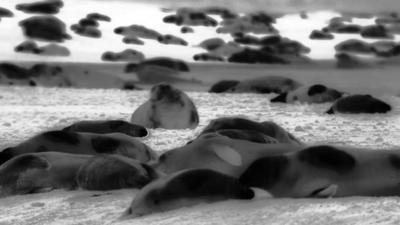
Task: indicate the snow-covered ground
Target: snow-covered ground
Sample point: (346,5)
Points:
(25,111)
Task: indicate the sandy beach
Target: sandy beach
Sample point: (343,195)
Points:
(26,111)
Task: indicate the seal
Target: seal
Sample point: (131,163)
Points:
(40,172)
(108,126)
(220,153)
(107,172)
(359,104)
(82,143)
(186,188)
(316,93)
(268,128)
(45,171)
(223,86)
(168,108)
(327,171)
(265,85)
(160,69)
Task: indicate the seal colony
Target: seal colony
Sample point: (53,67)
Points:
(231,155)
(251,37)
(225,160)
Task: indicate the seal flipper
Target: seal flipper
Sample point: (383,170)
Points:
(326,192)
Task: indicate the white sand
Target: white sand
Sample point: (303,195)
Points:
(26,111)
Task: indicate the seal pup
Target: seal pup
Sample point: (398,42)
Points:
(82,143)
(108,126)
(359,104)
(168,108)
(268,128)
(219,153)
(327,171)
(186,188)
(316,93)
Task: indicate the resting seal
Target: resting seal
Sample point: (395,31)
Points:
(268,128)
(106,172)
(359,104)
(219,153)
(316,93)
(44,171)
(186,188)
(82,143)
(327,171)
(38,172)
(168,108)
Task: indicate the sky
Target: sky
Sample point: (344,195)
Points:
(128,12)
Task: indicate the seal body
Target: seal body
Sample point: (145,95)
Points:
(108,126)
(219,153)
(316,93)
(359,104)
(327,171)
(186,188)
(268,128)
(167,108)
(82,143)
